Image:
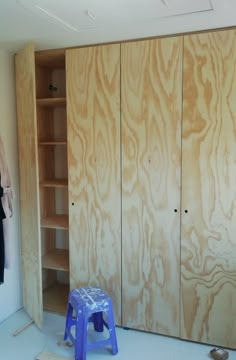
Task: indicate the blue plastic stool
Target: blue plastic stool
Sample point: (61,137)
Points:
(89,304)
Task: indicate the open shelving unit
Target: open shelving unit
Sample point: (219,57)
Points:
(53,178)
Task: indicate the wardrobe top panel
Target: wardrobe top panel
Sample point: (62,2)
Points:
(55,58)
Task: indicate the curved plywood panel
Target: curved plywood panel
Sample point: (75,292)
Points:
(151,155)
(208,248)
(93,104)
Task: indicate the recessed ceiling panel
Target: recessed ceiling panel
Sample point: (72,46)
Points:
(82,15)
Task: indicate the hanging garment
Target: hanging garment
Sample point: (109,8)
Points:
(2,250)
(6,202)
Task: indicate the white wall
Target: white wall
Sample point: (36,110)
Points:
(10,291)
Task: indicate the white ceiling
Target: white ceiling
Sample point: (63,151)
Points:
(62,23)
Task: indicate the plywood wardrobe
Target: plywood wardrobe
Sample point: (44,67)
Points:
(70,230)
(208,242)
(151,92)
(144,132)
(93,93)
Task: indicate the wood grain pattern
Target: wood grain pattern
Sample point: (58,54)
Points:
(208,248)
(93,104)
(151,136)
(29,194)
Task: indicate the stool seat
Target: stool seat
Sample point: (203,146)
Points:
(89,305)
(95,299)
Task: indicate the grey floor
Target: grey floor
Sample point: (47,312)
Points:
(132,344)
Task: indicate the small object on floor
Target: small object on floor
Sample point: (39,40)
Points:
(89,305)
(17,332)
(219,354)
(51,356)
(65,343)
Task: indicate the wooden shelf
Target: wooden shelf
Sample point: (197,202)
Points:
(52,143)
(54,183)
(57,259)
(55,222)
(52,102)
(55,298)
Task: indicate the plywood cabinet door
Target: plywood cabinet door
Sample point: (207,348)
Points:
(93,107)
(208,245)
(151,78)
(29,197)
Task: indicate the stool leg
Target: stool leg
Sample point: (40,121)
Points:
(68,321)
(98,321)
(81,335)
(112,330)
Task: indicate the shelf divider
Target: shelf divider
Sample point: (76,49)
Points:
(54,183)
(52,143)
(56,259)
(52,102)
(55,222)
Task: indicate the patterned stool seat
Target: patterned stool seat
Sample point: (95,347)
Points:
(89,305)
